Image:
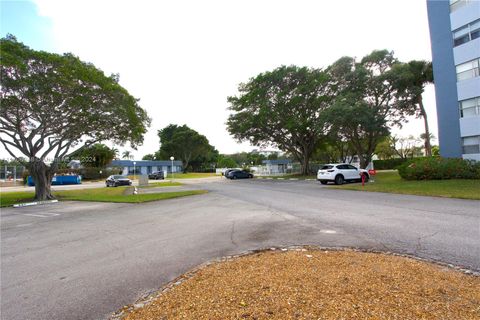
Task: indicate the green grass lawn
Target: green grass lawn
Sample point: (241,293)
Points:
(96,194)
(162,184)
(391,182)
(191,175)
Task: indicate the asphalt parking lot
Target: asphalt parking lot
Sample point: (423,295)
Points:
(79,260)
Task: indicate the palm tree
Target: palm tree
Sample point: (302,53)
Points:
(126,154)
(115,153)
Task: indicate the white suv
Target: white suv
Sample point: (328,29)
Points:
(340,173)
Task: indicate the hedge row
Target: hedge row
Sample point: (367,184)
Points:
(388,164)
(437,168)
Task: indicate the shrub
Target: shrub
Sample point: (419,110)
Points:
(437,168)
(388,164)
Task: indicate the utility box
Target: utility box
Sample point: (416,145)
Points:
(59,180)
(143,180)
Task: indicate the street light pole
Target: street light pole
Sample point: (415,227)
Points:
(134,171)
(171,159)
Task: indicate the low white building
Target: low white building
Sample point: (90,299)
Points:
(143,167)
(275,167)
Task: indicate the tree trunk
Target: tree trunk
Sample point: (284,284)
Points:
(42,177)
(363,161)
(428,146)
(305,164)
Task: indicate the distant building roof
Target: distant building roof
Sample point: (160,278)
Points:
(279,161)
(144,163)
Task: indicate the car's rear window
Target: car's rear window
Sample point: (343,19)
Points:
(326,167)
(118,177)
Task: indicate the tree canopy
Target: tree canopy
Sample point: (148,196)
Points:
(412,77)
(149,156)
(52,104)
(97,155)
(226,162)
(187,145)
(282,108)
(367,101)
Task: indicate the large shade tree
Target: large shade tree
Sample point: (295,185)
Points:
(282,108)
(368,101)
(187,145)
(53,104)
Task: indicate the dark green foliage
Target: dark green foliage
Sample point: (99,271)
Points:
(226,162)
(282,108)
(150,156)
(52,104)
(411,79)
(388,164)
(187,145)
(437,168)
(248,158)
(367,101)
(97,156)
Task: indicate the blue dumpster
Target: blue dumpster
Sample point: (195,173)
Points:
(59,180)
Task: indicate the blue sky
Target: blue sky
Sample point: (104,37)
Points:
(21,19)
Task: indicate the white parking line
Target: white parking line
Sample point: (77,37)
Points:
(328,231)
(23,225)
(42,215)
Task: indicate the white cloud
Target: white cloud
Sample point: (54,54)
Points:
(183,58)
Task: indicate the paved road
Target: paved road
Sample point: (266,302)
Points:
(84,185)
(78,260)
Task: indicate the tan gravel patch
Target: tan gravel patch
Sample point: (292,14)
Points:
(317,284)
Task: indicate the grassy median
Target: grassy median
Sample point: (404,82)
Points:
(391,182)
(192,175)
(162,184)
(118,194)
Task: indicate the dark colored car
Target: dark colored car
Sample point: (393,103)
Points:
(239,174)
(115,181)
(156,175)
(226,172)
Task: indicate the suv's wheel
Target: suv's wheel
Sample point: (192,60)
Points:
(323,182)
(339,179)
(106,184)
(234,177)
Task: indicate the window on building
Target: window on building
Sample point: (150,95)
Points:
(132,171)
(466,33)
(457,4)
(470,108)
(468,70)
(471,145)
(475,30)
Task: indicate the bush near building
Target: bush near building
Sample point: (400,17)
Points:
(388,164)
(437,168)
